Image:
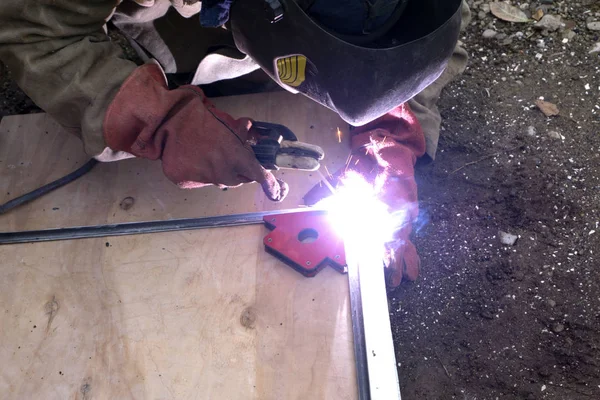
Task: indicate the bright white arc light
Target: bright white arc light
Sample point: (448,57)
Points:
(357,214)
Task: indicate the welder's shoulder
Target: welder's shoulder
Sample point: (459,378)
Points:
(27,21)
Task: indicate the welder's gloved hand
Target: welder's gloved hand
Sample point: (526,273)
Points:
(385,152)
(198,144)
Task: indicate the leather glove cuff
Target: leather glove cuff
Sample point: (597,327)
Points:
(138,106)
(144,104)
(399,126)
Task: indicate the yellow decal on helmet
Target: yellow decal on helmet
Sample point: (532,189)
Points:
(292,70)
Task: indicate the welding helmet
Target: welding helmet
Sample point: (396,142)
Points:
(360,76)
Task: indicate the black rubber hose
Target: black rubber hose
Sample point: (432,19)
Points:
(39,192)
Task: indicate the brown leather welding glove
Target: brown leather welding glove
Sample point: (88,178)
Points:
(385,152)
(198,144)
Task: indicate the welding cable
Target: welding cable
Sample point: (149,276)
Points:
(39,192)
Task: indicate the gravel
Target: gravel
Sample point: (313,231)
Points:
(507,239)
(555,135)
(489,33)
(549,23)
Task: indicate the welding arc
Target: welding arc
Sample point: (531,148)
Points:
(138,228)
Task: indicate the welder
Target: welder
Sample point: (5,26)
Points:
(380,64)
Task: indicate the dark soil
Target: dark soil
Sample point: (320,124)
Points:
(12,99)
(486,320)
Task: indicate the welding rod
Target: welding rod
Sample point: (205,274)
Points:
(138,228)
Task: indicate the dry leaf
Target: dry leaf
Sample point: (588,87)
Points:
(547,108)
(538,14)
(506,12)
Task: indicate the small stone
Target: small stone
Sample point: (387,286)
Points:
(531,131)
(481,15)
(545,371)
(555,135)
(549,23)
(570,24)
(519,276)
(507,239)
(501,36)
(551,303)
(489,33)
(569,35)
(557,327)
(594,26)
(485,8)
(487,314)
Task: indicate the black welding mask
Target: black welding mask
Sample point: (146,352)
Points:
(360,76)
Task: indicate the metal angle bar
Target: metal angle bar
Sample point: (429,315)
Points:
(137,228)
(373,344)
(358,332)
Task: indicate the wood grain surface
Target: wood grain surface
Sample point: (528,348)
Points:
(180,315)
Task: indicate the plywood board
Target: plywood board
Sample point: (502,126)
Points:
(183,315)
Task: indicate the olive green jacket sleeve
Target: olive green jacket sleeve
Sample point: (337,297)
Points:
(61,57)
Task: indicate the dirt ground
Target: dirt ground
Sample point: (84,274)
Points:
(12,99)
(487,320)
